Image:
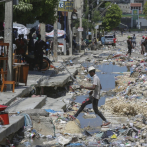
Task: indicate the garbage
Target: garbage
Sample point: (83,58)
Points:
(125,105)
(63,141)
(75,144)
(86,115)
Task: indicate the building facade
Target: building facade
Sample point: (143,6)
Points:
(125,8)
(137,6)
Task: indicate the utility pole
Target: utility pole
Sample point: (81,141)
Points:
(70,32)
(55,56)
(42,31)
(8,29)
(80,32)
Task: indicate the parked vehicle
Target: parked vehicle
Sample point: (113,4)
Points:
(109,39)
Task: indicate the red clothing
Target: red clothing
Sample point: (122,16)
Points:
(114,40)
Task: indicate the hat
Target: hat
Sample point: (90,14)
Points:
(91,68)
(128,36)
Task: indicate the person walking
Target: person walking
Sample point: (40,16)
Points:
(31,45)
(134,40)
(94,96)
(39,46)
(20,47)
(143,48)
(143,45)
(146,44)
(129,42)
(103,40)
(114,42)
(143,39)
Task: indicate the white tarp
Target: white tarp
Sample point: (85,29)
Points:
(60,33)
(21,29)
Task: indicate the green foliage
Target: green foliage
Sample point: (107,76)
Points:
(43,10)
(76,23)
(94,19)
(112,18)
(28,11)
(145,10)
(23,7)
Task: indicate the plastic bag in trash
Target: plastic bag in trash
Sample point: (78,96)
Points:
(64,141)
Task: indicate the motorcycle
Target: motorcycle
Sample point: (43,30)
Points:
(30,59)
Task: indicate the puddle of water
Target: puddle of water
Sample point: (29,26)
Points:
(107,79)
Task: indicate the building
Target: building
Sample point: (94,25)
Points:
(142,22)
(139,1)
(136,6)
(124,7)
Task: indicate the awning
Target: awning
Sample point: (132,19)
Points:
(60,33)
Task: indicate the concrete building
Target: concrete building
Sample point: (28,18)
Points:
(136,6)
(124,7)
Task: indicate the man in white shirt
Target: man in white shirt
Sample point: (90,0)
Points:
(94,96)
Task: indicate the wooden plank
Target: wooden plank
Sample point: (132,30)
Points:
(4,44)
(3,58)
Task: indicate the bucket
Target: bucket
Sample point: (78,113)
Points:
(4,118)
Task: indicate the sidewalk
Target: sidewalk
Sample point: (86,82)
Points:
(35,78)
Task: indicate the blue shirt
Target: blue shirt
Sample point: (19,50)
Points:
(103,39)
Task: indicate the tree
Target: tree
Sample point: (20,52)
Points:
(145,10)
(94,19)
(112,18)
(28,11)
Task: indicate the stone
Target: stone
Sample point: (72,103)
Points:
(36,112)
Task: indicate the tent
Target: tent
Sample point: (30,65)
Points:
(60,33)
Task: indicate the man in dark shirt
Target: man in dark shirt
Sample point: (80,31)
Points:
(39,46)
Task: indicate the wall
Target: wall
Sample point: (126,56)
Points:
(124,7)
(126,21)
(143,23)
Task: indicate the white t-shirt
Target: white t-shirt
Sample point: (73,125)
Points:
(142,40)
(96,92)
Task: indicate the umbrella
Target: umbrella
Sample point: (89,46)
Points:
(60,33)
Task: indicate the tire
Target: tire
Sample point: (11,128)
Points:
(46,64)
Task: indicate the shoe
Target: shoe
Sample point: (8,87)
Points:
(106,124)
